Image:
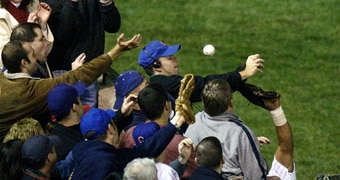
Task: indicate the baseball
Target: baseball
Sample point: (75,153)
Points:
(209,50)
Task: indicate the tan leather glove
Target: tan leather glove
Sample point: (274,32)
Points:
(183,103)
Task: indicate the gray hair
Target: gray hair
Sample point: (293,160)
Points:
(140,169)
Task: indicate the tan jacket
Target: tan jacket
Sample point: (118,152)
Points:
(23,96)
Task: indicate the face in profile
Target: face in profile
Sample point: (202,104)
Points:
(30,66)
(40,46)
(169,65)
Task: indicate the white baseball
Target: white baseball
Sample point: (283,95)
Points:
(209,50)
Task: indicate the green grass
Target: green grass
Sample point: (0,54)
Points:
(299,40)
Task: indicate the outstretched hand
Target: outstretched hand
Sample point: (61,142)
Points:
(130,44)
(40,15)
(254,64)
(43,12)
(79,61)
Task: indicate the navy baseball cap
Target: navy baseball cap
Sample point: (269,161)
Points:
(155,49)
(61,98)
(94,123)
(37,147)
(144,131)
(124,84)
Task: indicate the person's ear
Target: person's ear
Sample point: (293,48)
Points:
(196,160)
(24,63)
(74,107)
(168,105)
(50,156)
(111,128)
(231,103)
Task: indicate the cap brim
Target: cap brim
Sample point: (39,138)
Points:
(111,113)
(171,50)
(55,140)
(118,103)
(80,87)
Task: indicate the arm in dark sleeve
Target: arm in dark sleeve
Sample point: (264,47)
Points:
(178,167)
(173,83)
(122,121)
(152,147)
(111,18)
(155,145)
(233,78)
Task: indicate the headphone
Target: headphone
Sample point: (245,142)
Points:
(156,63)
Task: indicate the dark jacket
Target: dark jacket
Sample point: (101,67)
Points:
(137,117)
(173,83)
(79,27)
(32,174)
(204,173)
(69,136)
(97,159)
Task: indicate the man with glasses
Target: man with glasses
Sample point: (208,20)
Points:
(32,33)
(158,61)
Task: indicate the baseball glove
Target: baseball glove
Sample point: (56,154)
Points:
(257,95)
(183,104)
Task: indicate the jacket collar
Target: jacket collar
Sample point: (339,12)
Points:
(18,75)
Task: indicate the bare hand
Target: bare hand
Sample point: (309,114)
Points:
(178,119)
(33,17)
(79,61)
(263,140)
(130,44)
(254,64)
(128,104)
(43,12)
(184,150)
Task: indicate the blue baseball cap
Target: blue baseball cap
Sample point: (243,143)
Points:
(144,131)
(155,49)
(62,97)
(95,121)
(124,84)
(37,147)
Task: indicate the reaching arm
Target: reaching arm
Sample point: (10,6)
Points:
(284,152)
(124,45)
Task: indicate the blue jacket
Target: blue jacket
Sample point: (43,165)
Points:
(204,173)
(97,159)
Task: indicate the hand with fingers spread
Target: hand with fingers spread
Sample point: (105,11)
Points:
(79,61)
(130,44)
(254,64)
(124,45)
